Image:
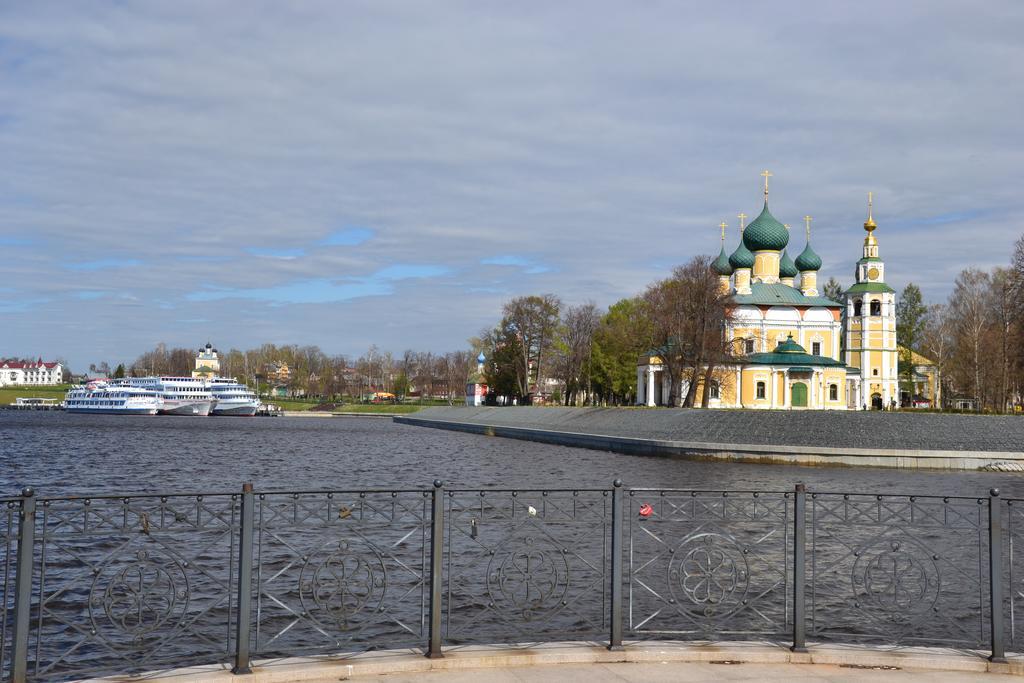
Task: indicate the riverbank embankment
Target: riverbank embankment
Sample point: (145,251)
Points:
(878,439)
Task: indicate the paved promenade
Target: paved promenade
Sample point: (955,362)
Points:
(905,440)
(854,429)
(675,672)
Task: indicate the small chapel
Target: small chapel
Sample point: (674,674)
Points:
(793,347)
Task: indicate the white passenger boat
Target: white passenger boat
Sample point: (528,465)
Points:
(103,398)
(181,395)
(232,398)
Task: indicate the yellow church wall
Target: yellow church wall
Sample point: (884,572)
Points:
(766,264)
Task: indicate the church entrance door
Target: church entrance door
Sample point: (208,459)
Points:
(876,401)
(799,392)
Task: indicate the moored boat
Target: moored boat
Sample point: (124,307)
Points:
(103,398)
(232,398)
(181,395)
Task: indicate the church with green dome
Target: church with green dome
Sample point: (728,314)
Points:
(793,347)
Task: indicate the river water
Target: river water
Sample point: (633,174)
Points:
(63,453)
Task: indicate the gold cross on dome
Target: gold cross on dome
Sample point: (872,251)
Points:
(742,218)
(807,224)
(766,174)
(723,225)
(869,204)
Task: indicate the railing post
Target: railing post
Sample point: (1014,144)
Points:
(615,639)
(995,575)
(436,568)
(23,585)
(243,631)
(799,568)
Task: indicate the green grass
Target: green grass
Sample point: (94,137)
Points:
(8,394)
(370,408)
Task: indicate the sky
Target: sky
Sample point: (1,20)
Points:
(354,173)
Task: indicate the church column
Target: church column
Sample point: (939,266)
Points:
(650,386)
(641,387)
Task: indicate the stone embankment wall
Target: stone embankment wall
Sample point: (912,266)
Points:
(900,439)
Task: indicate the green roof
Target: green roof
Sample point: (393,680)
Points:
(773,295)
(792,359)
(765,233)
(721,264)
(792,354)
(786,266)
(871,288)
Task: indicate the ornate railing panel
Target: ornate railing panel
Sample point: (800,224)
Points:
(899,570)
(130,584)
(708,565)
(9,508)
(526,566)
(340,571)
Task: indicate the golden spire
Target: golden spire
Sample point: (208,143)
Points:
(869,224)
(766,174)
(723,225)
(742,218)
(807,227)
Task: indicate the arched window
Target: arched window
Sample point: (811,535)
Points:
(876,307)
(856,307)
(760,390)
(748,345)
(715,390)
(833,392)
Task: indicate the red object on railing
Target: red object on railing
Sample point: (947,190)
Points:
(646,510)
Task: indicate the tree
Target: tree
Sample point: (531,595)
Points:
(833,290)
(969,316)
(575,348)
(534,321)
(937,343)
(687,313)
(910,322)
(622,335)
(119,371)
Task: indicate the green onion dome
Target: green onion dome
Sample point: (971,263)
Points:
(786,266)
(765,233)
(808,260)
(741,258)
(721,264)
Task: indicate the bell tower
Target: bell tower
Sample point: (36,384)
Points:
(869,329)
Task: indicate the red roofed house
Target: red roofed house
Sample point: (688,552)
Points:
(27,372)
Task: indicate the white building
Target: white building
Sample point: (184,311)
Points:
(26,373)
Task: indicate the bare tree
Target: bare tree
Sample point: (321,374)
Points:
(534,321)
(968,306)
(575,347)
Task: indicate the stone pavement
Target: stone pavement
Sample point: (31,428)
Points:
(681,672)
(843,429)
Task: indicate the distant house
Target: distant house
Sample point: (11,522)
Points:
(15,373)
(925,388)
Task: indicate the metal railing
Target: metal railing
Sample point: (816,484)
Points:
(125,584)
